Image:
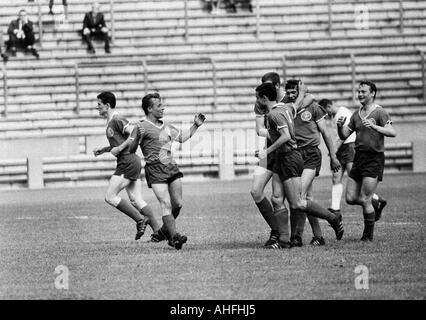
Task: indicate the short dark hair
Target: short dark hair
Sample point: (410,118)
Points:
(273,77)
(107,97)
(267,89)
(292,83)
(325,102)
(372,86)
(146,101)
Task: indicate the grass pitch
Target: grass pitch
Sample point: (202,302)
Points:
(223,259)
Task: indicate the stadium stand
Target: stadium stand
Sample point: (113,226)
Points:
(208,63)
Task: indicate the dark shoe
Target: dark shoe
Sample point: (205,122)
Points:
(178,241)
(13,52)
(317,241)
(158,236)
(141,227)
(333,211)
(338,226)
(378,206)
(233,8)
(107,50)
(91,50)
(4,57)
(366,238)
(35,53)
(51,12)
(279,245)
(296,241)
(273,237)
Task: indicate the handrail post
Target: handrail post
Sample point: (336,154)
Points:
(40,25)
(401,16)
(5,93)
(145,76)
(284,67)
(258,19)
(330,22)
(77,89)
(186,19)
(111,8)
(353,75)
(422,55)
(214,75)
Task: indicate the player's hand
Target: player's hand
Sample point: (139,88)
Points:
(115,151)
(334,164)
(341,121)
(97,151)
(262,154)
(302,88)
(368,123)
(141,130)
(199,119)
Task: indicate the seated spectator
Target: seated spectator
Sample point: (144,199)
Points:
(21,34)
(64,3)
(94,26)
(247,3)
(213,5)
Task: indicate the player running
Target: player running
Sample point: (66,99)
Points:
(288,165)
(127,174)
(162,174)
(371,124)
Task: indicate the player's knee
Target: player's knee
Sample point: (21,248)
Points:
(277,201)
(256,194)
(351,199)
(86,31)
(112,200)
(364,200)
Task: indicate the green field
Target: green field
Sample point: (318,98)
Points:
(223,259)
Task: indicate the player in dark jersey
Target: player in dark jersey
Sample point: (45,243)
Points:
(371,124)
(309,126)
(127,174)
(263,172)
(155,139)
(288,165)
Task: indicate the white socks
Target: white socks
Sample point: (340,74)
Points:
(336,196)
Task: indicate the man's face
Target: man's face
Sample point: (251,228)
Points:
(364,94)
(95,7)
(22,15)
(157,108)
(102,108)
(261,101)
(329,110)
(292,94)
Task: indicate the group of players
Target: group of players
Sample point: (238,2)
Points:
(292,122)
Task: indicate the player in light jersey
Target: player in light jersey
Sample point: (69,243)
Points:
(162,174)
(128,171)
(288,165)
(371,124)
(263,172)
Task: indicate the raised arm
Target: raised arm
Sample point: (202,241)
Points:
(198,121)
(343,130)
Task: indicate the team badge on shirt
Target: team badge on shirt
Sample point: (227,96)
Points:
(110,132)
(306,116)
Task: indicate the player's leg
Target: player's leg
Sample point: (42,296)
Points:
(317,239)
(337,189)
(368,187)
(116,184)
(260,179)
(134,191)
(280,216)
(175,191)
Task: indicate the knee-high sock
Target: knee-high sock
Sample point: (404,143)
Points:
(176,211)
(125,207)
(147,212)
(267,211)
(369,224)
(316,228)
(314,209)
(336,196)
(300,219)
(169,226)
(293,222)
(281,221)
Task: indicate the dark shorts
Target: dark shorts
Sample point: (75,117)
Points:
(288,165)
(346,153)
(368,164)
(129,166)
(159,173)
(311,158)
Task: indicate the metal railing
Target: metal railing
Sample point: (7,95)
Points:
(5,88)
(111,9)
(40,23)
(144,63)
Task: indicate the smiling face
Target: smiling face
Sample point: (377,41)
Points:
(365,96)
(292,94)
(102,108)
(156,109)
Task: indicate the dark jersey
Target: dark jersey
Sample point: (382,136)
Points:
(281,116)
(306,127)
(368,139)
(116,131)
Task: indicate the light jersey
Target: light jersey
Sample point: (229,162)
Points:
(156,144)
(116,131)
(306,125)
(281,116)
(344,112)
(368,139)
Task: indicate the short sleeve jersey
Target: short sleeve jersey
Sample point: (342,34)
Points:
(115,131)
(156,144)
(368,139)
(306,125)
(281,116)
(344,112)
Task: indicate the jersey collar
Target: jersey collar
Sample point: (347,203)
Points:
(159,127)
(374,108)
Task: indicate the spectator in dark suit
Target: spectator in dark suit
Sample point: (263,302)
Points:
(21,34)
(64,3)
(94,26)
